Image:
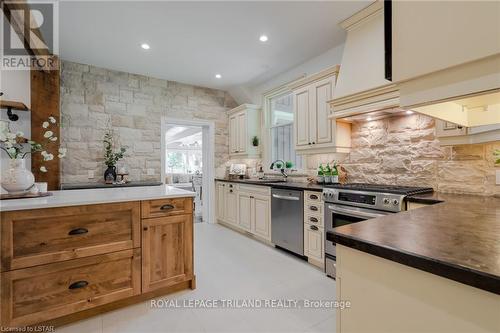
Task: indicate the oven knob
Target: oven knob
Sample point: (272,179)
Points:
(395,202)
(386,201)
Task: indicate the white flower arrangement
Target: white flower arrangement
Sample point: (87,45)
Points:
(12,143)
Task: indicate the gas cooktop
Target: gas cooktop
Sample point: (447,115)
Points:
(395,189)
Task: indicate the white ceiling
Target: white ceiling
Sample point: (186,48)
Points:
(192,41)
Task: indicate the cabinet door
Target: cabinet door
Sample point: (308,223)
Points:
(313,242)
(220,200)
(242,133)
(167,251)
(230,206)
(322,92)
(233,134)
(245,211)
(301,106)
(261,219)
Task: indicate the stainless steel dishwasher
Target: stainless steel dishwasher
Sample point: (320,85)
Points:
(287,220)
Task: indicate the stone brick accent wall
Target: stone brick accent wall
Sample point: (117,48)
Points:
(93,99)
(405,151)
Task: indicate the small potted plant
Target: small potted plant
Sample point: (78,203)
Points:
(321,174)
(279,165)
(328,174)
(255,141)
(111,157)
(288,166)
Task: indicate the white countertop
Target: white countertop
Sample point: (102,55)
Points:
(95,196)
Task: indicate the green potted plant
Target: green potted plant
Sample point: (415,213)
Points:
(279,165)
(288,166)
(321,174)
(255,141)
(111,156)
(328,174)
(335,173)
(496,156)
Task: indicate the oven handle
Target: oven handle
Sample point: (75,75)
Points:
(355,213)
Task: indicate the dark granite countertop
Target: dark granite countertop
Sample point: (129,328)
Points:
(83,186)
(283,185)
(458,237)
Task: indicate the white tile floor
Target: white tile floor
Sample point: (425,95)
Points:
(229,265)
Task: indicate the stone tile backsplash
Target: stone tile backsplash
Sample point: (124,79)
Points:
(93,99)
(405,151)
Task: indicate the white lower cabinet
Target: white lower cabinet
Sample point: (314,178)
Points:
(314,232)
(245,207)
(262,216)
(245,211)
(314,242)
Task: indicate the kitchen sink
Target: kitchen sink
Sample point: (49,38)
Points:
(265,181)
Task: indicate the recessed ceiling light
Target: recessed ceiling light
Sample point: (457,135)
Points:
(263,38)
(369,118)
(218,76)
(409,112)
(145,46)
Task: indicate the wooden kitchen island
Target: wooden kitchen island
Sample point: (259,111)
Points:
(83,252)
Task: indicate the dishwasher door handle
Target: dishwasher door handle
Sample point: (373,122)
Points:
(284,197)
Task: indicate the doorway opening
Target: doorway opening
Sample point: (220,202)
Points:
(187,161)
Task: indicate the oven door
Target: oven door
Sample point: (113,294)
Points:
(339,215)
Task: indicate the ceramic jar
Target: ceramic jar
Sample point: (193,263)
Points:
(17,179)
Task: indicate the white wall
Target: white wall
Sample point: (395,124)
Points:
(16,86)
(253,94)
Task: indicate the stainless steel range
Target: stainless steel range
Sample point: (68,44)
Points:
(351,203)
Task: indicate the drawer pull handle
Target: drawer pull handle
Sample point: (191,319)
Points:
(167,207)
(77,231)
(313,196)
(313,227)
(313,219)
(313,208)
(78,284)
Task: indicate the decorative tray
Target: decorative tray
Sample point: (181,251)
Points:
(24,195)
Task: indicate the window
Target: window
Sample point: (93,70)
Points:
(184,149)
(281,126)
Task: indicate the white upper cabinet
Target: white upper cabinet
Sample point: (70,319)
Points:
(244,125)
(429,36)
(314,132)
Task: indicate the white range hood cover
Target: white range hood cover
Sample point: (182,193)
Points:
(468,94)
(361,85)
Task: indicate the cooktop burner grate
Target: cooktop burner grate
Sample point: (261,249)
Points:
(395,189)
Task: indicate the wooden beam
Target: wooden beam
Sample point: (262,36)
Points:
(45,94)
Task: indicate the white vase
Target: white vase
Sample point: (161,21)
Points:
(17,178)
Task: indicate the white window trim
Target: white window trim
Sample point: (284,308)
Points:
(266,126)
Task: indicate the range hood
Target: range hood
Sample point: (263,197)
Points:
(467,95)
(361,85)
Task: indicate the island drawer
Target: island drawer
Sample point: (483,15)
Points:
(166,207)
(45,292)
(43,236)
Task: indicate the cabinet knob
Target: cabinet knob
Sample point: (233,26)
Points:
(314,143)
(230,191)
(313,227)
(314,208)
(309,143)
(313,219)
(145,228)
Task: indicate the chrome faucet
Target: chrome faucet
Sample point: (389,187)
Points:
(282,170)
